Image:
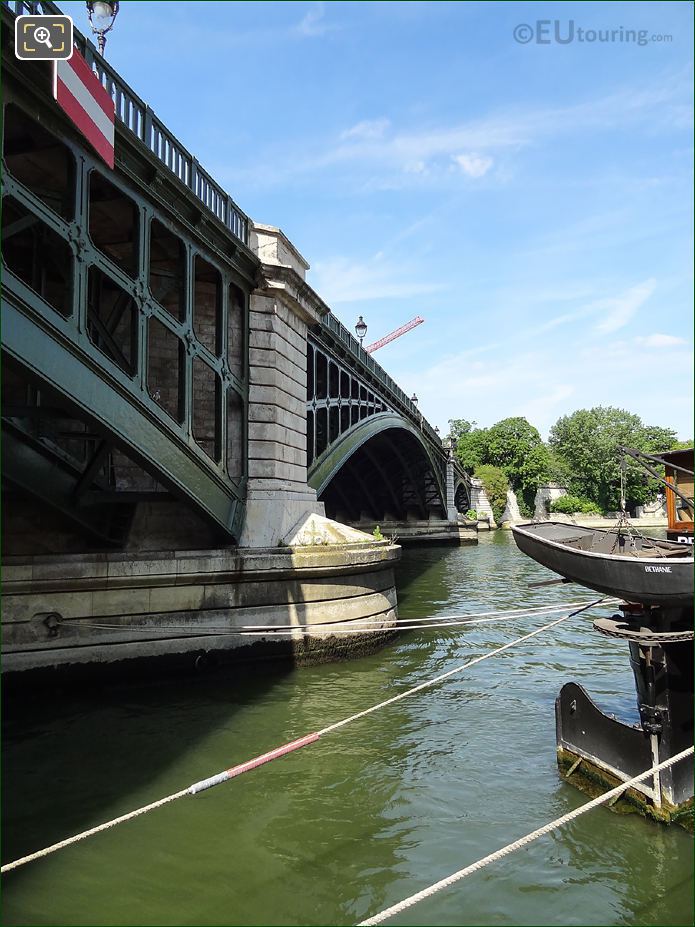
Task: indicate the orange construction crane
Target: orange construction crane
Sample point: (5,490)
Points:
(371,348)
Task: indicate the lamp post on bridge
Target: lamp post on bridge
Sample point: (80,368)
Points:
(414,401)
(102,15)
(361,329)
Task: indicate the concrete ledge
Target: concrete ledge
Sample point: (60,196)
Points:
(438,531)
(61,612)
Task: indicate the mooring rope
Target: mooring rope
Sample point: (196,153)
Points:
(457,669)
(342,626)
(522,842)
(284,749)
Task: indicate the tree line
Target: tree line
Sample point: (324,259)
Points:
(581,454)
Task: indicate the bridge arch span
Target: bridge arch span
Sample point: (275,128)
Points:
(462,493)
(382,467)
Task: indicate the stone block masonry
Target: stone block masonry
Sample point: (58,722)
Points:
(70,612)
(281,309)
(480,502)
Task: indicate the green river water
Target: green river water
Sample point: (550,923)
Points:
(366,816)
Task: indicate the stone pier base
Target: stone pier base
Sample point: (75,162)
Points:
(189,607)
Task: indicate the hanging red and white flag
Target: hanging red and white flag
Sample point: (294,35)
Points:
(79,93)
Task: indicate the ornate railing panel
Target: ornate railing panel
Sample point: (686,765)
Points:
(137,117)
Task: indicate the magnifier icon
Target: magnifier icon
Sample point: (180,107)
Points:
(42,35)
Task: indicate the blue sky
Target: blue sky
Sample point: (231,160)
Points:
(532,201)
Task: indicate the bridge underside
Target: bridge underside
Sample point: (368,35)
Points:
(387,477)
(70,485)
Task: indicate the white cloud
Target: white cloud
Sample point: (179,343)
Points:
(475,165)
(367,129)
(658,340)
(619,310)
(384,150)
(313,23)
(340,280)
(547,406)
(614,311)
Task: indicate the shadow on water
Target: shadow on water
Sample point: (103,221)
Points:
(73,758)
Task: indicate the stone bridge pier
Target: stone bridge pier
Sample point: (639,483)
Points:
(278,496)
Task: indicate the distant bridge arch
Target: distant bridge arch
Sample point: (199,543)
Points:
(462,492)
(382,466)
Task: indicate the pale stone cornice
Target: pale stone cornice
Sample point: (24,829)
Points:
(278,233)
(283,281)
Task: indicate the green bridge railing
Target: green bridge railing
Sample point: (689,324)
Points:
(136,116)
(345,337)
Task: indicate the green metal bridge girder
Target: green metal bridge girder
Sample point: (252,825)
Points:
(331,461)
(101,400)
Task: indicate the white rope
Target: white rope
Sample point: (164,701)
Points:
(93,830)
(332,727)
(455,670)
(522,842)
(348,626)
(498,615)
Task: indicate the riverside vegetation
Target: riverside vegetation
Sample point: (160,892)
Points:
(581,454)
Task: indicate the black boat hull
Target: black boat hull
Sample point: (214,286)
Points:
(664,579)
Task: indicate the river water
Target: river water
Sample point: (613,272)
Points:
(366,816)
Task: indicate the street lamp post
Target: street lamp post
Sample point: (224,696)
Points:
(102,15)
(414,401)
(361,329)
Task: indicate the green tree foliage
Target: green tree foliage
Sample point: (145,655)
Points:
(588,440)
(558,469)
(459,427)
(569,505)
(516,447)
(495,484)
(512,445)
(469,443)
